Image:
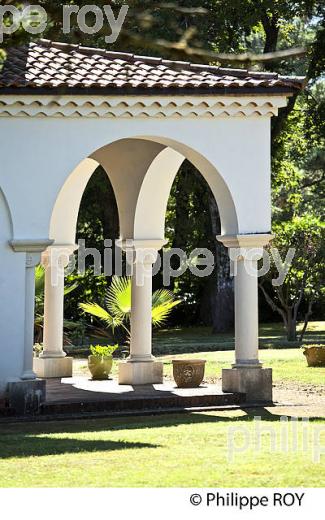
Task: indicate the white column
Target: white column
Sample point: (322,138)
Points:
(246,306)
(247,375)
(54,304)
(32,260)
(32,249)
(141,367)
(52,361)
(141,322)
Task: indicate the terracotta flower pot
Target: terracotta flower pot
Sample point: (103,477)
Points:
(315,356)
(100,366)
(188,373)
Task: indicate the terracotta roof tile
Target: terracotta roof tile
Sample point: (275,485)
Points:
(49,65)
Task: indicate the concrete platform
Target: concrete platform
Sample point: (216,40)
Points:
(53,367)
(79,394)
(255,383)
(149,372)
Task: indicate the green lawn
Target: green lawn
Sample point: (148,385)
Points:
(287,365)
(176,450)
(162,451)
(200,339)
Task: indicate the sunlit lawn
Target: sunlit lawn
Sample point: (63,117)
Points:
(176,450)
(288,364)
(161,451)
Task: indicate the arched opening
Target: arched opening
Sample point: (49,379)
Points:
(141,173)
(97,229)
(213,178)
(193,221)
(64,217)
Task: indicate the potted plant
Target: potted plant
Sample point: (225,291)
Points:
(188,373)
(101,360)
(315,355)
(37,349)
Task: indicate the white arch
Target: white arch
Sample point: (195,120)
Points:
(218,186)
(8,225)
(65,213)
(149,220)
(141,171)
(126,163)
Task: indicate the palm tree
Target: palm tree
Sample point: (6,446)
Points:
(118,305)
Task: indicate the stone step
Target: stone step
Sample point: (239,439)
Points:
(143,403)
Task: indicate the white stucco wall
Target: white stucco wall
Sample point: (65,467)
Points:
(39,154)
(12,303)
(46,162)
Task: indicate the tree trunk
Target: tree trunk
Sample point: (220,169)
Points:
(306,320)
(271,29)
(182,194)
(220,285)
(291,327)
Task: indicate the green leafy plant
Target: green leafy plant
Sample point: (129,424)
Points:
(103,350)
(37,349)
(118,305)
(304,283)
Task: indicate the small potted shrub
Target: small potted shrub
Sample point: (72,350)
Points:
(37,349)
(101,360)
(315,355)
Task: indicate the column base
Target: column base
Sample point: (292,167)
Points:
(26,397)
(256,383)
(28,375)
(140,373)
(53,367)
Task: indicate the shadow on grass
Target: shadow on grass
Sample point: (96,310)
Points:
(26,445)
(21,431)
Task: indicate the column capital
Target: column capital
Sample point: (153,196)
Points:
(134,244)
(258,240)
(141,251)
(33,249)
(33,259)
(68,247)
(32,245)
(60,253)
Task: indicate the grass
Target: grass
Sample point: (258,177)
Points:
(163,451)
(175,450)
(287,365)
(200,339)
